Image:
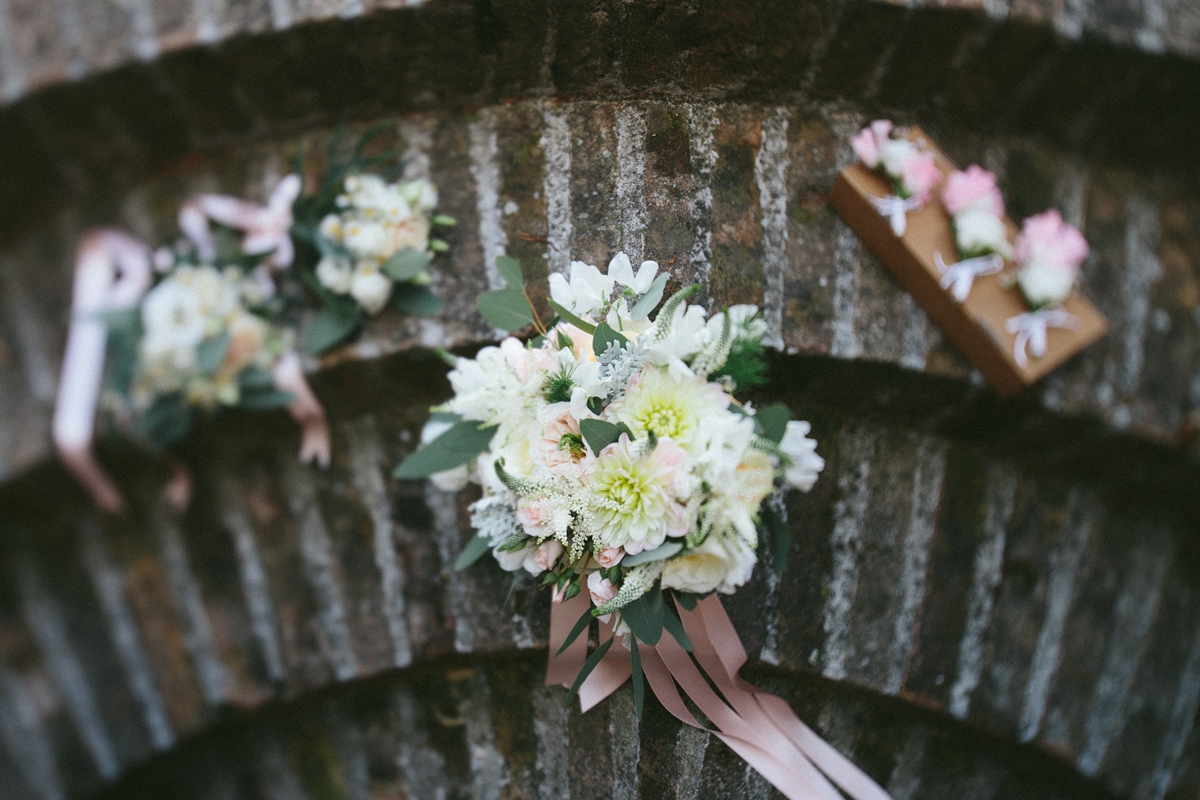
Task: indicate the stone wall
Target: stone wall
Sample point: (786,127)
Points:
(984,599)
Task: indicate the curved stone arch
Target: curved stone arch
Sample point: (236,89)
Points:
(1043,594)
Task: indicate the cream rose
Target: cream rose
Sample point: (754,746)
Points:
(720,563)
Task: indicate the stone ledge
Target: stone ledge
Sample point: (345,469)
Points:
(1020,592)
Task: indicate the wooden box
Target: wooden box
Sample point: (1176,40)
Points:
(976,326)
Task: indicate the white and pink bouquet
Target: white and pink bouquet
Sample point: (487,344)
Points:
(911,169)
(976,210)
(620,465)
(1049,253)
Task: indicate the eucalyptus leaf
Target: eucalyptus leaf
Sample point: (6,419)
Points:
(510,269)
(772,421)
(604,335)
(165,422)
(639,683)
(645,616)
(779,535)
(581,625)
(663,551)
(211,352)
(253,378)
(333,324)
(506,309)
(675,628)
(443,220)
(567,316)
(459,445)
(642,308)
(265,399)
(417,300)
(588,666)
(405,264)
(686,599)
(598,434)
(471,553)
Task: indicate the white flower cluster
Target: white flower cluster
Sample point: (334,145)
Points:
(683,472)
(198,307)
(375,220)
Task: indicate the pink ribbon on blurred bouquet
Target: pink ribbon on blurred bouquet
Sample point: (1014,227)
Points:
(758,726)
(1032,330)
(112,272)
(265,228)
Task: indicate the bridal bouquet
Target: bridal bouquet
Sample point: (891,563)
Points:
(368,240)
(911,169)
(614,455)
(620,463)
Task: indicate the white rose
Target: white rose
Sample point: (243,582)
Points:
(720,563)
(893,153)
(370,287)
(513,560)
(450,480)
(331,227)
(334,275)
(173,321)
(1043,284)
(980,231)
(806,464)
(367,239)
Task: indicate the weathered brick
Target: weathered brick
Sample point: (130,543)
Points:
(736,275)
(594,183)
(667,190)
(864,31)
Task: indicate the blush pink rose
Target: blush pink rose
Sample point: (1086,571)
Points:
(1046,240)
(600,588)
(555,458)
(548,553)
(972,188)
(920,175)
(866,143)
(610,556)
(534,518)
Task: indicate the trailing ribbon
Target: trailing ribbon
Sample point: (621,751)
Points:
(759,726)
(896,209)
(265,228)
(1032,327)
(112,272)
(958,278)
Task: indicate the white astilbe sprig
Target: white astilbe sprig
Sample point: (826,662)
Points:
(570,519)
(636,583)
(716,352)
(495,518)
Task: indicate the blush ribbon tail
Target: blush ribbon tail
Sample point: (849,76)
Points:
(1032,330)
(561,670)
(112,272)
(264,228)
(760,727)
(306,409)
(896,209)
(959,278)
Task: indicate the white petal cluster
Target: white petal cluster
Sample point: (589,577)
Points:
(192,306)
(374,221)
(685,465)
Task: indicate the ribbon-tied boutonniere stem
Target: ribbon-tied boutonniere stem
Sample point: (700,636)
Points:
(896,210)
(266,229)
(959,278)
(1032,328)
(112,272)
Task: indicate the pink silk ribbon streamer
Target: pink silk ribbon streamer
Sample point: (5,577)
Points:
(759,726)
(112,272)
(306,409)
(265,228)
(1032,328)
